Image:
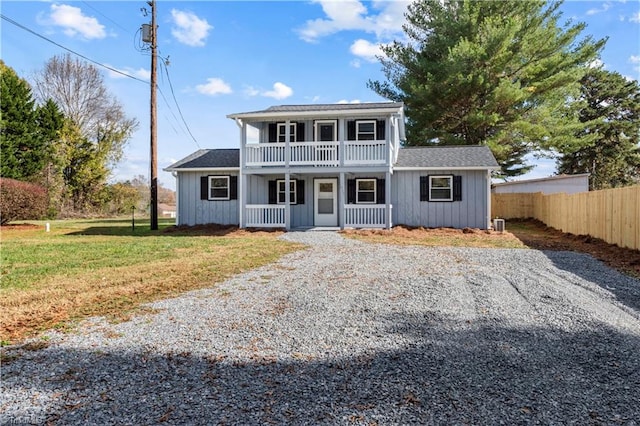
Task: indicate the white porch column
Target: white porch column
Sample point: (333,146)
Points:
(341,198)
(387,199)
(341,138)
(242,185)
(287,176)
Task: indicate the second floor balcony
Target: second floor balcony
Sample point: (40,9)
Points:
(318,154)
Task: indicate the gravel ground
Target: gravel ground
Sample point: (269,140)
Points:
(353,333)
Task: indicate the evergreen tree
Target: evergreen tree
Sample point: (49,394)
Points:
(611,108)
(21,146)
(497,72)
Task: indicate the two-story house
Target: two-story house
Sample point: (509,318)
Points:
(335,166)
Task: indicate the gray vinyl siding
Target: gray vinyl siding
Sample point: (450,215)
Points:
(409,210)
(194,211)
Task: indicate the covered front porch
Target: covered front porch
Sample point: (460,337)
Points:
(302,201)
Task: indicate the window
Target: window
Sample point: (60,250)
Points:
(366,130)
(219,187)
(281,192)
(440,188)
(281,132)
(365,191)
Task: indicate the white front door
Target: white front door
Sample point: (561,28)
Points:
(325,210)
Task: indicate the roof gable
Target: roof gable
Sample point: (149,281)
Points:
(208,159)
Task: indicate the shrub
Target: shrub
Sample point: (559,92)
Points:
(21,201)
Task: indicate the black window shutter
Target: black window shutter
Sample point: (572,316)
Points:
(204,187)
(457,188)
(233,187)
(273,192)
(380,127)
(273,132)
(380,191)
(351,191)
(300,191)
(351,130)
(424,188)
(300,132)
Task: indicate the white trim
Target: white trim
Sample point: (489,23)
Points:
(409,169)
(431,188)
(202,169)
(375,190)
(350,113)
(228,187)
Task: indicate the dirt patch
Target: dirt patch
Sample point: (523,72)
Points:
(220,230)
(537,235)
(19,226)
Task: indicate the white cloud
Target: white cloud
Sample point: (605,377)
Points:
(74,23)
(214,86)
(280,91)
(605,6)
(349,15)
(635,17)
(355,63)
(140,73)
(189,29)
(596,63)
(353,101)
(634,59)
(366,50)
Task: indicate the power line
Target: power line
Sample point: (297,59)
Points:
(166,70)
(105,16)
(11,21)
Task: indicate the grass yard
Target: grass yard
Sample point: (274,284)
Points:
(84,268)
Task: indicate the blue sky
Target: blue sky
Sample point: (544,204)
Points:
(235,56)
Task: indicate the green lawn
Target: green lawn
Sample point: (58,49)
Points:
(104,267)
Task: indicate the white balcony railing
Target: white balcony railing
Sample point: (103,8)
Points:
(365,152)
(264,215)
(316,153)
(365,216)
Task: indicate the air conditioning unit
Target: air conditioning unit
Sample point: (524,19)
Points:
(498,225)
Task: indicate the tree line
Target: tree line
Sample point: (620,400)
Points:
(65,132)
(508,74)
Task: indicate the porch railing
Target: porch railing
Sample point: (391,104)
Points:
(365,152)
(365,216)
(264,215)
(316,153)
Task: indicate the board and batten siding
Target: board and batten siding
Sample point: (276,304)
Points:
(409,210)
(258,193)
(194,211)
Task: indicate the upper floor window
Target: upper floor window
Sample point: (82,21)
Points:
(282,132)
(326,130)
(366,130)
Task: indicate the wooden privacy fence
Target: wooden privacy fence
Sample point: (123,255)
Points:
(609,214)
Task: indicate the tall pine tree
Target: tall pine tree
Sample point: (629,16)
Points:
(21,145)
(498,73)
(611,109)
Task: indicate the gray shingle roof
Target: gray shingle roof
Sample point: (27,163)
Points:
(420,157)
(367,106)
(446,156)
(209,158)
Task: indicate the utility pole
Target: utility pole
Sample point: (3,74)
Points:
(153,120)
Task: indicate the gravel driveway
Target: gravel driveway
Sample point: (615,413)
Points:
(353,333)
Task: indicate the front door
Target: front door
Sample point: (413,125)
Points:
(325,210)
